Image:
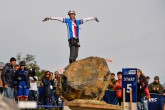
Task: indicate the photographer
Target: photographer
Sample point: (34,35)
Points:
(48,83)
(33,86)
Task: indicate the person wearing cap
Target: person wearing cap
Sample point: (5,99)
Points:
(156,87)
(73,31)
(112,83)
(1,84)
(8,78)
(22,81)
(118,87)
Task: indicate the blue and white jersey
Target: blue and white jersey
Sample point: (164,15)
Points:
(72,26)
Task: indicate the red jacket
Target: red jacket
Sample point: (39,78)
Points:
(146,91)
(118,88)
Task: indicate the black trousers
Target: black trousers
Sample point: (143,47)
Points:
(73,53)
(1,90)
(32,95)
(120,100)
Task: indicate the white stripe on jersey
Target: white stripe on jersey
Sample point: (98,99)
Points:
(73,24)
(68,30)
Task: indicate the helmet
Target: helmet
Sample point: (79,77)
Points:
(22,63)
(71,12)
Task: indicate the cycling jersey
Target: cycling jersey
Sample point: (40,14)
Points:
(72,26)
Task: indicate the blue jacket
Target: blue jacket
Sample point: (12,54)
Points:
(19,76)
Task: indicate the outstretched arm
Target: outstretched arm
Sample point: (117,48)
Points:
(54,18)
(90,19)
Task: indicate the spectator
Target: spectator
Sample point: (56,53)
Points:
(41,94)
(56,74)
(164,89)
(48,83)
(22,81)
(1,84)
(59,89)
(61,79)
(148,79)
(8,78)
(33,91)
(112,83)
(156,87)
(118,87)
(143,93)
(16,67)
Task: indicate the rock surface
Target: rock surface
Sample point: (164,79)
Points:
(7,104)
(81,104)
(86,79)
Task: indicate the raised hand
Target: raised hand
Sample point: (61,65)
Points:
(96,19)
(46,19)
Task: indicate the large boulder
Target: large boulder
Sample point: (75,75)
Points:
(86,79)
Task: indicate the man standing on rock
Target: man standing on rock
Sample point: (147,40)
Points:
(73,31)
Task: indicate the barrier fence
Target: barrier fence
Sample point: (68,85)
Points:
(155,103)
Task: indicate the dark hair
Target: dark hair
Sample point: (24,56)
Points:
(119,73)
(16,65)
(12,59)
(51,73)
(56,72)
(156,77)
(147,77)
(140,72)
(45,73)
(113,74)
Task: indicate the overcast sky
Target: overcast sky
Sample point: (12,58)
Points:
(130,32)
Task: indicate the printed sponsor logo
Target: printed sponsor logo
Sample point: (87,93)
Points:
(129,78)
(153,99)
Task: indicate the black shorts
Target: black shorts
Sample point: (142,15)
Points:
(74,42)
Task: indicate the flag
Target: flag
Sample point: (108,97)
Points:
(60,70)
(109,60)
